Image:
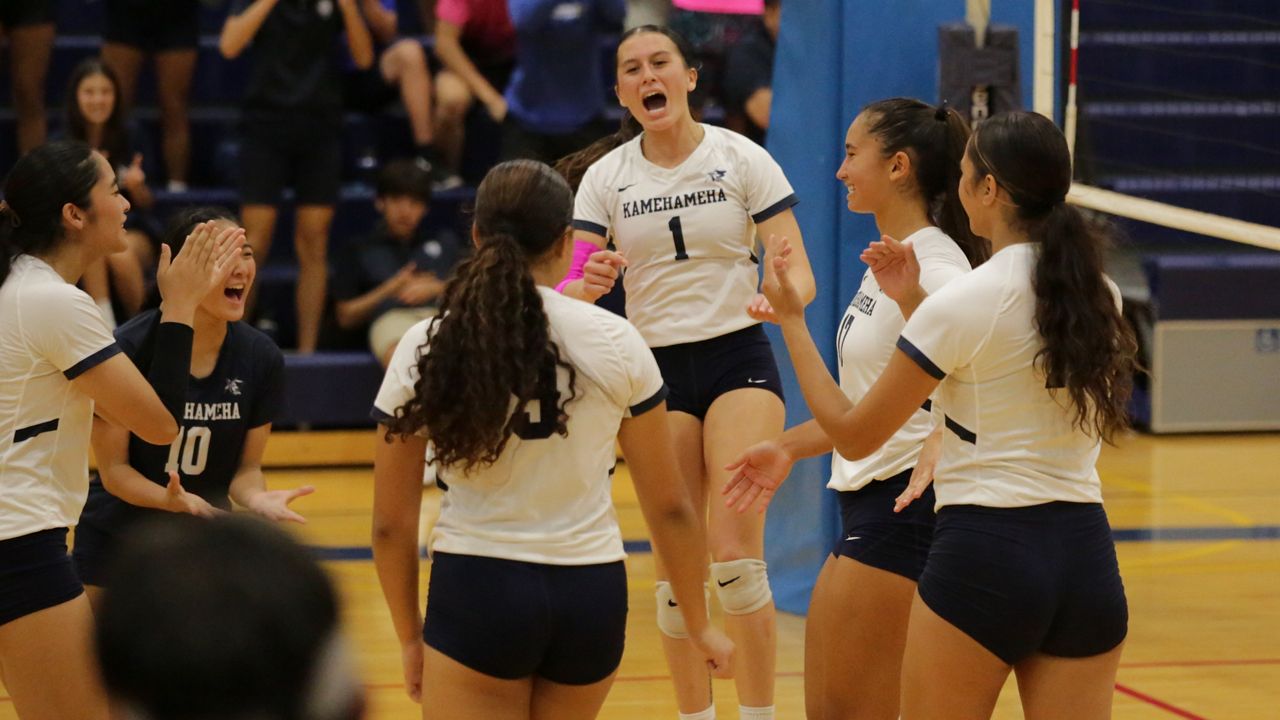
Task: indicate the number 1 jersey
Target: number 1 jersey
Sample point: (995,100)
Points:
(688,232)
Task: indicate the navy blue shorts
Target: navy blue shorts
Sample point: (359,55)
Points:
(23,13)
(510,619)
(300,151)
(873,534)
(1020,581)
(90,554)
(35,574)
(699,372)
(154,26)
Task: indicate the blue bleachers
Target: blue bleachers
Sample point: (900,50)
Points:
(1180,102)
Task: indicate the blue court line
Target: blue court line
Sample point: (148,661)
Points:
(1167,534)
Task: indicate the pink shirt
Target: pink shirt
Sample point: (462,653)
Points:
(486,27)
(737,7)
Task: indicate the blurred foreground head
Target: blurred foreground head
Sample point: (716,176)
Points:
(229,619)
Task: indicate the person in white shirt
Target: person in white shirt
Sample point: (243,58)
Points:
(1033,365)
(901,164)
(684,203)
(59,365)
(521,393)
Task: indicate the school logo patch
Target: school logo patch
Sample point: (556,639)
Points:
(716,175)
(233,386)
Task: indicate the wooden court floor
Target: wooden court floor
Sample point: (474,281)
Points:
(1197,517)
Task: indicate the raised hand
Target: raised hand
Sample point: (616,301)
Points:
(133,176)
(777,287)
(757,474)
(274,504)
(179,500)
(896,270)
(760,309)
(207,258)
(601,273)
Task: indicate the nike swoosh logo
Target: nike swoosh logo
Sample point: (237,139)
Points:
(753,381)
(672,603)
(728,582)
(853,537)
(626,187)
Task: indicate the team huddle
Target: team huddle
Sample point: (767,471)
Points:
(982,363)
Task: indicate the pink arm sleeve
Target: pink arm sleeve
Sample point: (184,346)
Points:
(581,253)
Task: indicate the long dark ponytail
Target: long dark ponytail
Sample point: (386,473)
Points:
(935,139)
(490,344)
(35,191)
(1089,349)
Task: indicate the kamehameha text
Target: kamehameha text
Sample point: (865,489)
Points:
(212,411)
(636,208)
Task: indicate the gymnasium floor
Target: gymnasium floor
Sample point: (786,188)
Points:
(1197,517)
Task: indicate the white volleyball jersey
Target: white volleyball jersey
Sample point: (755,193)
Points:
(546,500)
(865,341)
(1009,441)
(50,333)
(688,232)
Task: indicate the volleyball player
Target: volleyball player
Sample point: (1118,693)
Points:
(684,202)
(1033,366)
(901,164)
(58,365)
(235,390)
(521,393)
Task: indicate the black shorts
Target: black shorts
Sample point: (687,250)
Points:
(35,574)
(299,151)
(699,372)
(873,534)
(21,13)
(367,91)
(1020,581)
(510,619)
(90,554)
(153,26)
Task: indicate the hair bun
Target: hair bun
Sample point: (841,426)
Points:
(941,113)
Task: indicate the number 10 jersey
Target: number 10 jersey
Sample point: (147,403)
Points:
(688,232)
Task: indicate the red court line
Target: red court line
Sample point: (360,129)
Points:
(1157,702)
(1199,663)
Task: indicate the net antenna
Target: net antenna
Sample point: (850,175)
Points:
(1098,199)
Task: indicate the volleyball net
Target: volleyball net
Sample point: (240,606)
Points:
(1172,111)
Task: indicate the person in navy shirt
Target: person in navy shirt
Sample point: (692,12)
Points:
(558,91)
(234,392)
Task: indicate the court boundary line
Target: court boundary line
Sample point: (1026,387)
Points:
(1157,702)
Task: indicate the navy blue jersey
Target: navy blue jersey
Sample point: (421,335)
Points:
(243,392)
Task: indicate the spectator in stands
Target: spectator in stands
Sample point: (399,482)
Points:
(711,27)
(169,32)
(391,280)
(748,76)
(400,72)
(29,28)
(292,122)
(475,42)
(647,12)
(94,115)
(229,619)
(557,92)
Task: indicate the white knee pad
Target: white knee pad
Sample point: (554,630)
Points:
(670,619)
(742,585)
